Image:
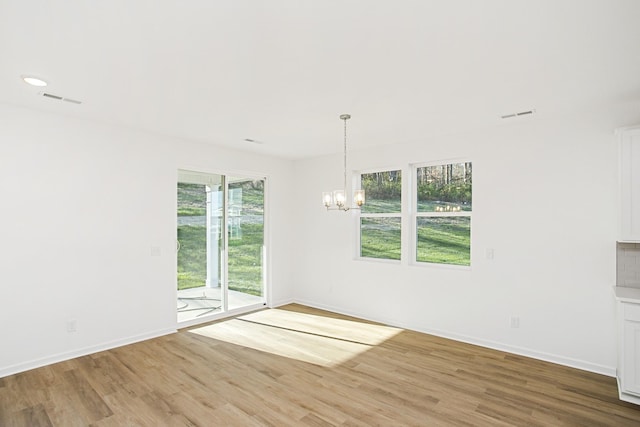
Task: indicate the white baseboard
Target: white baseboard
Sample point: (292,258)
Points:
(609,371)
(60,357)
(527,352)
(280,303)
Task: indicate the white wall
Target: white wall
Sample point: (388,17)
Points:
(82,206)
(544,198)
(83,203)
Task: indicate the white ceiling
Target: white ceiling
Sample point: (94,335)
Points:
(282,71)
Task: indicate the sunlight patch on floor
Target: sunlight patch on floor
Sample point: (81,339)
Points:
(320,340)
(360,332)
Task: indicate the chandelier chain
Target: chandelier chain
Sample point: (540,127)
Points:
(345,157)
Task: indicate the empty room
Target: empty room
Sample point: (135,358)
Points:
(320,213)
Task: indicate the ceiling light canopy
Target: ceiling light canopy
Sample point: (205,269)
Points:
(34,81)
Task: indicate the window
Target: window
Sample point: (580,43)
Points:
(438,215)
(381,215)
(443,213)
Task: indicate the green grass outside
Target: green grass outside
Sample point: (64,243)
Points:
(192,211)
(245,252)
(444,240)
(245,258)
(192,199)
(381,206)
(380,238)
(192,262)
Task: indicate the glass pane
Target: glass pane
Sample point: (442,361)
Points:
(444,240)
(382,191)
(444,188)
(192,235)
(200,246)
(245,227)
(380,238)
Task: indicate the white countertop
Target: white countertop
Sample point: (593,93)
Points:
(624,294)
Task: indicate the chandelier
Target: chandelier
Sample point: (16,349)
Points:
(336,200)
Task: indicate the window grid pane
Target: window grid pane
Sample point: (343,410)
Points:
(443,240)
(444,188)
(383,192)
(380,238)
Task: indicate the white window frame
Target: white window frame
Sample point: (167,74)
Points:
(401,215)
(414,215)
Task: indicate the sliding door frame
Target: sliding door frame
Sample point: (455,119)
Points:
(266,256)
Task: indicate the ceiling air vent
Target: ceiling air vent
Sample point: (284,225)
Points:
(59,98)
(521,113)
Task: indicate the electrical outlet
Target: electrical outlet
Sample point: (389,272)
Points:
(489,253)
(72,325)
(515,322)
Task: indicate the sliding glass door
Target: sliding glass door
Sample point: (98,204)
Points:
(220,267)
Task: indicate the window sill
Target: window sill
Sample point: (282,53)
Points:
(440,266)
(379,260)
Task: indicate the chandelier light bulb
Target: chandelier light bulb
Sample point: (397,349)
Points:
(327,199)
(339,198)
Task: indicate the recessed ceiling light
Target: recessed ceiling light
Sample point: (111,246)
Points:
(34,81)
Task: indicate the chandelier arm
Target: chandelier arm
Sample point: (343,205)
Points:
(343,208)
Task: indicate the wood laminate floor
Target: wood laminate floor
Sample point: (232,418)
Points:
(297,366)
